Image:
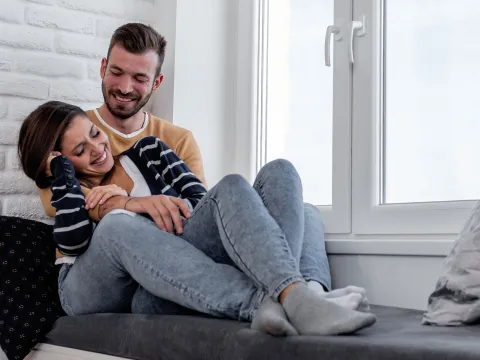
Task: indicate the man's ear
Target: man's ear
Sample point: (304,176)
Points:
(103,67)
(156,83)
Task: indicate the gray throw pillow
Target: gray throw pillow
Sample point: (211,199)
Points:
(456,299)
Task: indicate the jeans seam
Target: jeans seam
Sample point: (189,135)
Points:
(231,244)
(285,247)
(258,301)
(183,288)
(201,204)
(258,186)
(233,247)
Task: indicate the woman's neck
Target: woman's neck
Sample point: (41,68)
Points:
(93,181)
(97,180)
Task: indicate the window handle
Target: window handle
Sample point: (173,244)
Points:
(356,28)
(331,29)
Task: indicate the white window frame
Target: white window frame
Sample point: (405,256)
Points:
(368,214)
(251,106)
(356,223)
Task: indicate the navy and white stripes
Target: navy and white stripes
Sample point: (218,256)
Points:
(164,172)
(73,228)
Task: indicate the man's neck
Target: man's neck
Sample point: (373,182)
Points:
(125,126)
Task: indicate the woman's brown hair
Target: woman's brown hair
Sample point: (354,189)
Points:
(40,134)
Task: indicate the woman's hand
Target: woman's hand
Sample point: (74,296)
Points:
(100,194)
(52,155)
(164,210)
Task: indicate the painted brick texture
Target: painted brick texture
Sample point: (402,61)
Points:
(50,50)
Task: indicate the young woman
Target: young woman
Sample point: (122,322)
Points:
(230,245)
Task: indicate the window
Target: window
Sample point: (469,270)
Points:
(296,121)
(384,139)
(413,117)
(431,146)
(299,94)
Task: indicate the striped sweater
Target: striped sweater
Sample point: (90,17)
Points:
(165,174)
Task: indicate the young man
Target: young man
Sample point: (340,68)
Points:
(130,74)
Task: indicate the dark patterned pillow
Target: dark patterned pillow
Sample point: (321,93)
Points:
(29,303)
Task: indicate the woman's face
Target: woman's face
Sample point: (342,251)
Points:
(87,147)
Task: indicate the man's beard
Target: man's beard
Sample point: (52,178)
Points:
(123,115)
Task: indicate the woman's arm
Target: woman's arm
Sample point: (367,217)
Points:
(174,172)
(164,210)
(187,149)
(73,228)
(46,199)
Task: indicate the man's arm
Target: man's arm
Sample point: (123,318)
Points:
(115,202)
(188,150)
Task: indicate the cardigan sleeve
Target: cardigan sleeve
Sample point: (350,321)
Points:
(73,228)
(174,172)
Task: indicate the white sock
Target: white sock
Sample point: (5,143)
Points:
(311,314)
(347,290)
(347,297)
(351,301)
(316,286)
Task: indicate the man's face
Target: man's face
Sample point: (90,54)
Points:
(128,81)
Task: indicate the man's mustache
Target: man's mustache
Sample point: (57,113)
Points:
(131,95)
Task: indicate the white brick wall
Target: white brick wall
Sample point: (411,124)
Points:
(50,50)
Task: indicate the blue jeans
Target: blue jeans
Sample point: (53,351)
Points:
(279,187)
(240,244)
(129,250)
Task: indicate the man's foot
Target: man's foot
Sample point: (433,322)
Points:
(347,297)
(272,319)
(311,314)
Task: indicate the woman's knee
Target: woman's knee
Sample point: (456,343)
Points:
(279,167)
(276,171)
(312,213)
(116,221)
(117,226)
(233,181)
(231,187)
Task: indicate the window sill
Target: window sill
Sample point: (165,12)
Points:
(396,247)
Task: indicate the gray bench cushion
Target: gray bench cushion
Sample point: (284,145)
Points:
(398,334)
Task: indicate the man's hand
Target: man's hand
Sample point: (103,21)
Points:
(52,155)
(100,194)
(164,210)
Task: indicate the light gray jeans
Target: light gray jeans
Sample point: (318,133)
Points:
(240,244)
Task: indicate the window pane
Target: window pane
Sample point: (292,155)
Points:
(432,121)
(299,86)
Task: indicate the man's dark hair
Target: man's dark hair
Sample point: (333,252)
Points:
(138,38)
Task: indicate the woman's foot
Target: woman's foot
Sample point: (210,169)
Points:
(272,319)
(312,314)
(350,297)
